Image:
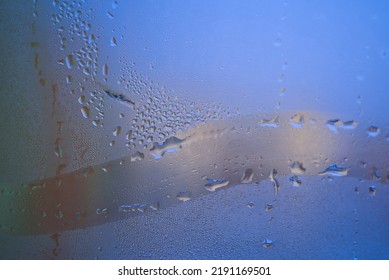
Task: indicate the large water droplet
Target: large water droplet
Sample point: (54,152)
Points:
(334,170)
(214,184)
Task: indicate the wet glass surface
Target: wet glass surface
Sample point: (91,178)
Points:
(194,130)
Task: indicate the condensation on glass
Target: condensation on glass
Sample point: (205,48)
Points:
(194,130)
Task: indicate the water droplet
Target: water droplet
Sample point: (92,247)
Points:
(272,177)
(116,131)
(86,71)
(269,207)
(214,184)
(250,205)
(81,99)
(137,156)
(100,248)
(372,190)
(58,214)
(85,112)
(267,243)
(110,15)
(247,177)
(334,170)
(105,70)
(274,122)
(277,42)
(334,124)
(106,168)
(373,131)
(297,168)
(69,79)
(297,120)
(113,42)
(184,196)
(115,4)
(69,61)
(295,181)
(128,134)
(171,145)
(375,174)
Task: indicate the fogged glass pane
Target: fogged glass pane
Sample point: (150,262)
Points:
(194,130)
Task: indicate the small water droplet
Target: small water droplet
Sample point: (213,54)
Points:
(334,124)
(373,131)
(250,205)
(334,170)
(113,42)
(69,79)
(274,122)
(297,168)
(269,207)
(267,243)
(69,61)
(297,120)
(137,156)
(372,190)
(115,4)
(106,168)
(171,145)
(277,42)
(81,99)
(295,181)
(116,131)
(214,184)
(85,112)
(272,177)
(184,196)
(105,70)
(110,15)
(59,214)
(247,177)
